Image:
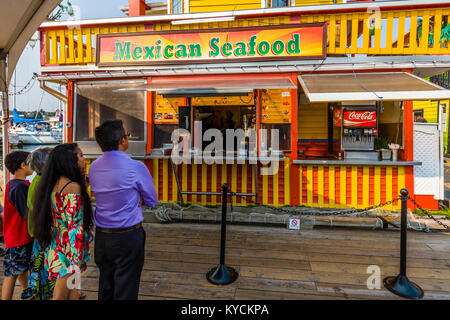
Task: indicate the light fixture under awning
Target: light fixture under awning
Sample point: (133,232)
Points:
(376,86)
(188,87)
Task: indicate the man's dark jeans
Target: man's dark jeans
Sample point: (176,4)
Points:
(120,258)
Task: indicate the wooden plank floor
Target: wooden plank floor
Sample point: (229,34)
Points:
(276,263)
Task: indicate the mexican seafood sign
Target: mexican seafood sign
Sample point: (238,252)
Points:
(281,42)
(360,119)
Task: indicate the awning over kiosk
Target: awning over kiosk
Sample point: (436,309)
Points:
(374,86)
(187,87)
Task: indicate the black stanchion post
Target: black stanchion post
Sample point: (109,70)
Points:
(400,285)
(222,274)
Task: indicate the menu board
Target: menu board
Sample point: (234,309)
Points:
(166,109)
(247,100)
(276,106)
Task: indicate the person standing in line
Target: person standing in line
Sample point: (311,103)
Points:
(38,284)
(18,242)
(120,186)
(62,218)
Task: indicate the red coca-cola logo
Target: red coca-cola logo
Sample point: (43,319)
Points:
(354,115)
(360,118)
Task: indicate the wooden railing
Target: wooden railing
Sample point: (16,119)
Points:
(400,30)
(395,32)
(76,46)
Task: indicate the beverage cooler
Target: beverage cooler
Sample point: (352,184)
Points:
(359,130)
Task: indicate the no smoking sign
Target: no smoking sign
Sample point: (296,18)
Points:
(294,224)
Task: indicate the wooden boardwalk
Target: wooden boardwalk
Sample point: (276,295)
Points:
(276,263)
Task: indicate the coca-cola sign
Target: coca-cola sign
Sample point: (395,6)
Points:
(360,118)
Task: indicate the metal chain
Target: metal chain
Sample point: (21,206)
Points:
(429,215)
(319,213)
(26,88)
(165,215)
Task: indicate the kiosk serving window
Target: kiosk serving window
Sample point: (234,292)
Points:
(96,102)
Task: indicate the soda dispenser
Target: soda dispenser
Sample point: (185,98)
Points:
(359,129)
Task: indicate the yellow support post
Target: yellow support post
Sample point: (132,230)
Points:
(332,34)
(80,50)
(88,57)
(244,182)
(401,34)
(71,50)
(331,186)
(275,188)
(320,185)
(437,30)
(343,35)
(366,186)
(377,185)
(413,33)
(355,23)
(366,36)
(62,46)
(425,33)
(377,44)
(389,186)
(54,47)
(264,188)
(389,32)
(194,182)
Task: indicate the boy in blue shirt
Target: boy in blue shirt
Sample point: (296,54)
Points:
(18,242)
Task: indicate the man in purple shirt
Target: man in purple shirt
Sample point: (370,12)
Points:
(120,185)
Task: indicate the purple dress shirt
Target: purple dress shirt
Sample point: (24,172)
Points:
(118,183)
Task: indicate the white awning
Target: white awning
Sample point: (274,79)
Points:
(208,87)
(376,86)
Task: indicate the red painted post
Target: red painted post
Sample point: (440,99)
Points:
(136,8)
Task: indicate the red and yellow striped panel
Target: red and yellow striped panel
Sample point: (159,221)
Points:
(272,189)
(339,186)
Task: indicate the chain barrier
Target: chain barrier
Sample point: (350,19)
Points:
(163,214)
(446,227)
(320,213)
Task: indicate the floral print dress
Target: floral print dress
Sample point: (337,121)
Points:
(69,246)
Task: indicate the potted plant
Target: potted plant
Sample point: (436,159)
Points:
(382,145)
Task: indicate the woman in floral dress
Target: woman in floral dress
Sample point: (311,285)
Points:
(63,219)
